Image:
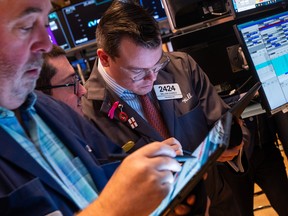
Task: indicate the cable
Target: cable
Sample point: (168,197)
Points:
(210,9)
(237,90)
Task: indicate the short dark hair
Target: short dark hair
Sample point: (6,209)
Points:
(126,18)
(47,70)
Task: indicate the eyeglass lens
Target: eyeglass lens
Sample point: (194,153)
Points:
(160,65)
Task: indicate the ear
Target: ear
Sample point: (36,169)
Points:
(104,57)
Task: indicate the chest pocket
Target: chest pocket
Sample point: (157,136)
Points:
(191,128)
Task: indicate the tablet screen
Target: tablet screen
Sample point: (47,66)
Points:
(193,169)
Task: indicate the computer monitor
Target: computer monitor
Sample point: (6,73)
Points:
(243,8)
(56,32)
(265,45)
(155,7)
(187,13)
(215,50)
(82,19)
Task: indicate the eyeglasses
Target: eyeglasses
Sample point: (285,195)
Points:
(75,82)
(143,72)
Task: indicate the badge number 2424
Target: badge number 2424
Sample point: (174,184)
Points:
(168,91)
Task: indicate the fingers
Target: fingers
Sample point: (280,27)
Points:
(169,147)
(166,163)
(166,177)
(181,209)
(156,149)
(175,145)
(208,206)
(205,176)
(229,154)
(191,199)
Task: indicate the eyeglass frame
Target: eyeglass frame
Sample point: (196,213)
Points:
(76,84)
(146,71)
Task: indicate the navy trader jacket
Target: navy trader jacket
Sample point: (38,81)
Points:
(26,188)
(188,119)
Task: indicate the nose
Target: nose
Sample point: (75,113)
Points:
(81,91)
(151,76)
(42,41)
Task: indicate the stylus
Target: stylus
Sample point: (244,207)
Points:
(179,158)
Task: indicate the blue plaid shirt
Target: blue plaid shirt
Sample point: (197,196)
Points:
(43,145)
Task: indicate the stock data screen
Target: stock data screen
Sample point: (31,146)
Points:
(266,41)
(244,5)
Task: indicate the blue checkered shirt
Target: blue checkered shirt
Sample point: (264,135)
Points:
(43,145)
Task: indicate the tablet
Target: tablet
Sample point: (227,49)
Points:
(238,108)
(193,169)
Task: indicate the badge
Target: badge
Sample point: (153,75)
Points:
(127,146)
(132,123)
(112,110)
(168,91)
(122,115)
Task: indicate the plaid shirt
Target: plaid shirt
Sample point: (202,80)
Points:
(43,145)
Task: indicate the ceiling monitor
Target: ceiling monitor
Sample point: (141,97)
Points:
(244,8)
(82,19)
(155,7)
(265,44)
(56,32)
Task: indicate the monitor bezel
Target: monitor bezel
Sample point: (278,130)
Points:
(64,30)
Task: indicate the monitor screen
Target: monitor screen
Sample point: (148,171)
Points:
(155,7)
(56,32)
(82,19)
(265,45)
(242,8)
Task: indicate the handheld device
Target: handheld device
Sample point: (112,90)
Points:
(194,168)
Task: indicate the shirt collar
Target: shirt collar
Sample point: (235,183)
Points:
(115,87)
(30,102)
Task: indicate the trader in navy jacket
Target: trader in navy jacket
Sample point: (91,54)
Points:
(49,156)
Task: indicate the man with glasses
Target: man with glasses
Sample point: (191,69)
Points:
(132,73)
(59,79)
(50,156)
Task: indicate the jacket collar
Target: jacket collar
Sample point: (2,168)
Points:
(104,98)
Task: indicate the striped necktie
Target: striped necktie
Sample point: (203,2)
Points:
(153,116)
